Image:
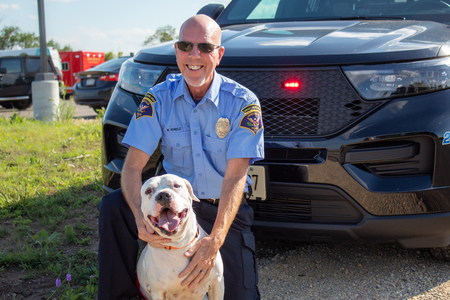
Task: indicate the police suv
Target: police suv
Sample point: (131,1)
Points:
(355,98)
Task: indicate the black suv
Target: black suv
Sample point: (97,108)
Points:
(355,96)
(16,75)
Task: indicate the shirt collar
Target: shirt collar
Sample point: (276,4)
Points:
(212,94)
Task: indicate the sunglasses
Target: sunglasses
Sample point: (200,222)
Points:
(203,47)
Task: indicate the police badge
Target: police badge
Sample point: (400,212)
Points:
(222,127)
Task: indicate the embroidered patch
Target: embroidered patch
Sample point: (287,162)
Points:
(251,107)
(145,109)
(252,121)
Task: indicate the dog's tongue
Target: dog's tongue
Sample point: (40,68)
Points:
(168,220)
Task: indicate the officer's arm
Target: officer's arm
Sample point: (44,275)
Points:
(204,252)
(131,182)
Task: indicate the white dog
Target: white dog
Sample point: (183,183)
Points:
(167,206)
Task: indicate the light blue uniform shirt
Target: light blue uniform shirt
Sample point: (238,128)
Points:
(191,147)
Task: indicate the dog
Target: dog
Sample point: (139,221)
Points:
(167,207)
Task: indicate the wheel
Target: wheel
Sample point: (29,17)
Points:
(441,253)
(22,104)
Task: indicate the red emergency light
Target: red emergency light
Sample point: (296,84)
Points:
(292,84)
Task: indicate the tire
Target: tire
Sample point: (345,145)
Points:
(6,105)
(23,104)
(441,253)
(97,107)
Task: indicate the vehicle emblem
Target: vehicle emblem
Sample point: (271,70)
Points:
(222,127)
(89,75)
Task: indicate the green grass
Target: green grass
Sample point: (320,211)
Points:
(50,180)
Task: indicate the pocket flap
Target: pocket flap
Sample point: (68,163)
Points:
(217,146)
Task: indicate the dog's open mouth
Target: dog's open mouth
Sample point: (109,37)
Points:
(168,221)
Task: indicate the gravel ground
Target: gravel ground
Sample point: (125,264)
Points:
(349,271)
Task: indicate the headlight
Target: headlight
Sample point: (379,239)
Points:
(400,80)
(138,78)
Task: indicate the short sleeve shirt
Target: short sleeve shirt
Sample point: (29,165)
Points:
(197,140)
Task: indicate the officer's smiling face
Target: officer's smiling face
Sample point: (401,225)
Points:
(198,67)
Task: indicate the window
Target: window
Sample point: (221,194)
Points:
(65,66)
(34,65)
(266,9)
(12,65)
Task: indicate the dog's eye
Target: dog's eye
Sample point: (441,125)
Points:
(176,185)
(148,191)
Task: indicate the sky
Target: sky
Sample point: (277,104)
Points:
(100,25)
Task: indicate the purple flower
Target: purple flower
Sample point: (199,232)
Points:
(92,276)
(58,282)
(68,277)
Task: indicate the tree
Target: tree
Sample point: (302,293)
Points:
(56,45)
(28,40)
(162,34)
(109,56)
(9,36)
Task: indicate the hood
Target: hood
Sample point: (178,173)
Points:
(322,43)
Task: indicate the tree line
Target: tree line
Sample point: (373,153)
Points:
(11,36)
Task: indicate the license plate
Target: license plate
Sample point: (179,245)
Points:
(90,82)
(258,176)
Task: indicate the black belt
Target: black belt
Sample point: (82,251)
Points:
(244,199)
(215,202)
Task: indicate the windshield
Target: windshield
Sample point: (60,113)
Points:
(254,11)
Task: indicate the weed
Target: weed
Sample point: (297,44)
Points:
(3,232)
(71,236)
(66,110)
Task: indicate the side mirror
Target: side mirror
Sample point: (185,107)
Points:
(3,71)
(211,10)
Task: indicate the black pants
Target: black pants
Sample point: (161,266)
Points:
(118,250)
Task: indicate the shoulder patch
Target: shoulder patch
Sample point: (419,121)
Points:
(145,109)
(251,107)
(252,119)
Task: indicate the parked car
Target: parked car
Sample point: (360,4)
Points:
(94,86)
(16,75)
(355,99)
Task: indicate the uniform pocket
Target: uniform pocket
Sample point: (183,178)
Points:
(249,260)
(216,149)
(176,148)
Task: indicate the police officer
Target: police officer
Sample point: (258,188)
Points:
(210,129)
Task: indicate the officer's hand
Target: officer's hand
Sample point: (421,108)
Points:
(203,255)
(147,234)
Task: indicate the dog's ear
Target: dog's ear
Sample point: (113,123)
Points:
(191,192)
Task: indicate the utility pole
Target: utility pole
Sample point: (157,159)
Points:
(44,88)
(44,75)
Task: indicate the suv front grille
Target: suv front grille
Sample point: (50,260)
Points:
(305,204)
(324,105)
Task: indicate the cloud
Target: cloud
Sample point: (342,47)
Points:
(7,6)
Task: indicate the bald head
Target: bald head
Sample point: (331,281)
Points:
(204,24)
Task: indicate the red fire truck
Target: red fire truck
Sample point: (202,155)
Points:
(77,61)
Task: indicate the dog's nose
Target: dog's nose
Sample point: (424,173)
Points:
(163,197)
